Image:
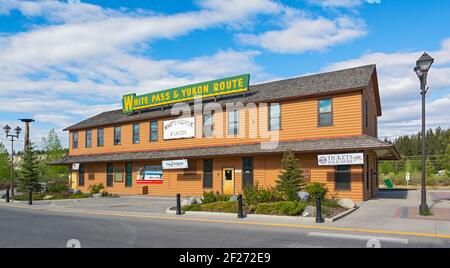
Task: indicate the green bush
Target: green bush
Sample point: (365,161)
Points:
(57,186)
(210,197)
(219,206)
(96,188)
(330,203)
(193,207)
(315,190)
(288,208)
(255,195)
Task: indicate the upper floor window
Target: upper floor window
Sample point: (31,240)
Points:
(88,143)
(75,140)
(208,125)
(325,113)
(233,122)
(274,117)
(136,133)
(154,130)
(100,137)
(117,135)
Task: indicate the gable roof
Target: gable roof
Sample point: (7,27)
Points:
(311,85)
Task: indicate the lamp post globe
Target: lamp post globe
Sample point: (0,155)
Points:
(422,68)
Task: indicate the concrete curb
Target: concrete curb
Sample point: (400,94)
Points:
(260,216)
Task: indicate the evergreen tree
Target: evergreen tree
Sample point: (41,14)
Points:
(5,163)
(291,180)
(29,172)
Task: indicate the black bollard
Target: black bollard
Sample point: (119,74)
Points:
(240,210)
(7,195)
(30,197)
(319,218)
(178,204)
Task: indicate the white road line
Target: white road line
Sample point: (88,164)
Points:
(360,237)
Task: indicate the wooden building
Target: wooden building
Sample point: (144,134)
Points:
(328,120)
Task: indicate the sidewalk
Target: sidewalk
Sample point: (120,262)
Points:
(375,216)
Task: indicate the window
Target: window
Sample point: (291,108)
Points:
(109,174)
(208,125)
(154,130)
(247,169)
(117,135)
(343,178)
(136,133)
(192,168)
(81,175)
(233,122)
(207,173)
(129,174)
(100,137)
(88,143)
(275,117)
(75,140)
(325,113)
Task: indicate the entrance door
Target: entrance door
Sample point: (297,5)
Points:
(228,181)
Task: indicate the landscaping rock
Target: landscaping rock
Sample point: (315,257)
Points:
(195,200)
(233,198)
(97,195)
(309,211)
(346,203)
(304,196)
(47,197)
(76,192)
(186,202)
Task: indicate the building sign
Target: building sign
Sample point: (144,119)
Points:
(341,159)
(75,166)
(175,164)
(150,174)
(179,128)
(131,102)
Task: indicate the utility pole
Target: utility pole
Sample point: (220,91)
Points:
(27,132)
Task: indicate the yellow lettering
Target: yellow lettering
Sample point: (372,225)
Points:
(241,82)
(128,102)
(216,87)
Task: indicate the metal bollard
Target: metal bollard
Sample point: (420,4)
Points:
(319,218)
(30,197)
(7,195)
(179,204)
(240,210)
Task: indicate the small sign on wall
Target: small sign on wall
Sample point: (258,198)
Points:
(150,174)
(75,166)
(340,159)
(175,164)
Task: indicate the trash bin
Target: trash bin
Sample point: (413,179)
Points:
(145,190)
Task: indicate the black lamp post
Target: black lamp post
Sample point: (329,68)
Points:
(423,65)
(17,130)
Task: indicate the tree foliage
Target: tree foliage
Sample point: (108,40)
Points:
(29,170)
(52,149)
(291,180)
(5,163)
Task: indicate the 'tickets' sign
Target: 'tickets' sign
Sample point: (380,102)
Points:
(340,159)
(179,128)
(131,102)
(175,164)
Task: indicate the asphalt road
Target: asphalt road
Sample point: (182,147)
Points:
(37,229)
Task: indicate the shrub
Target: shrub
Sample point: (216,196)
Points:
(221,206)
(96,188)
(210,197)
(316,190)
(255,195)
(57,186)
(330,203)
(289,208)
(193,207)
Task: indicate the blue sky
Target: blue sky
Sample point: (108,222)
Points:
(63,61)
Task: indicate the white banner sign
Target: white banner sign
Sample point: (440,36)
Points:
(340,159)
(175,164)
(179,128)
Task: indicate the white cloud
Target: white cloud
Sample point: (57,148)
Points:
(399,89)
(342,3)
(304,34)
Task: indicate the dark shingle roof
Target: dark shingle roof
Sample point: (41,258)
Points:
(348,79)
(355,143)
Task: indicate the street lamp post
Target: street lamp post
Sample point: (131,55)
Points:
(17,130)
(423,65)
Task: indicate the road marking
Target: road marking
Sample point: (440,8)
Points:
(298,226)
(360,237)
